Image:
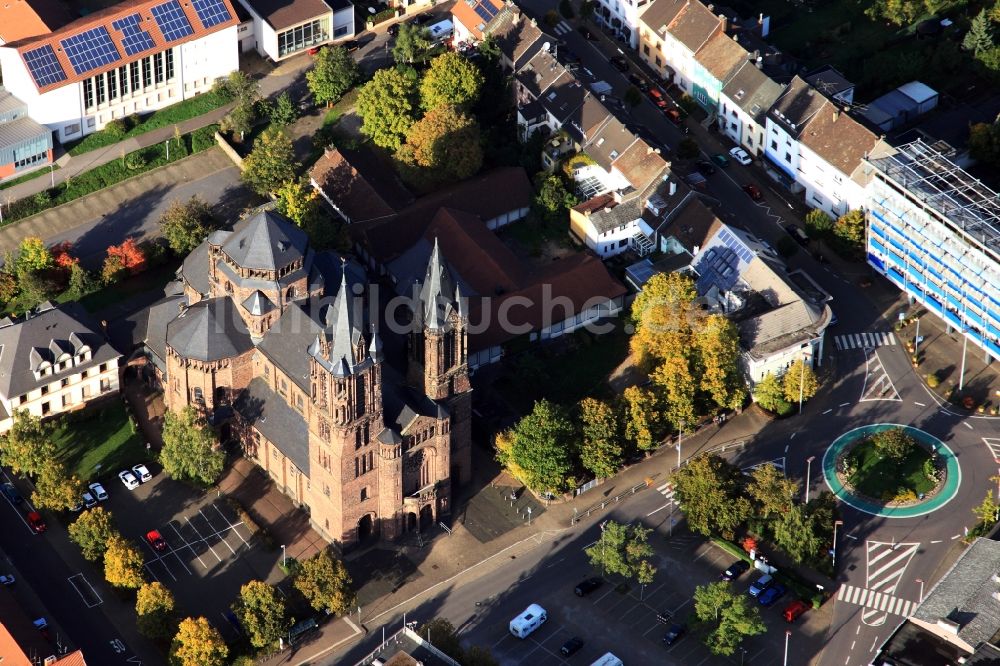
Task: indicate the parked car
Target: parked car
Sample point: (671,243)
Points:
(657,98)
(673,634)
(735,570)
(569,57)
(7,579)
(142,473)
(753,191)
(740,155)
(675,116)
(760,585)
(99,492)
(620,63)
(794,610)
(705,168)
(571,647)
(721,160)
(10,492)
(772,594)
(128,479)
(156,541)
(423,19)
(89,501)
(587,586)
(36,522)
(394,28)
(796,232)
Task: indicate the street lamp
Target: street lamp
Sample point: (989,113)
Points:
(680,437)
(788,634)
(833,551)
(809,462)
(283,556)
(921,581)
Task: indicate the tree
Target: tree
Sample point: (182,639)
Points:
(709,489)
(413,44)
(442,146)
(979,38)
(283,112)
(818,224)
(676,380)
(190,450)
(688,149)
(8,286)
(386,106)
(770,490)
(850,228)
(899,12)
(632,97)
(987,511)
(769,392)
(123,563)
(155,611)
(270,163)
(664,314)
(198,643)
(55,488)
(185,224)
(333,74)
(298,201)
(623,550)
(541,448)
(240,119)
(91,531)
(131,257)
(796,533)
(452,80)
(479,656)
(443,636)
(27,446)
(644,423)
(325,583)
(600,453)
(112,270)
(33,256)
(733,618)
(262,613)
(799,380)
(893,443)
(246,92)
(553,200)
(80,282)
(718,343)
(984,142)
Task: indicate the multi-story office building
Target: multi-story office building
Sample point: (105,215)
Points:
(934,231)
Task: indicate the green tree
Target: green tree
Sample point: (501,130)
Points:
(850,229)
(27,446)
(601,451)
(688,149)
(333,74)
(729,613)
(387,106)
(91,531)
(718,343)
(9,287)
(893,443)
(769,392)
(452,80)
(283,112)
(489,50)
(984,142)
(644,423)
(81,282)
(413,44)
(325,583)
(632,97)
(443,146)
(899,12)
(443,637)
(123,563)
(795,532)
(553,200)
(155,611)
(185,224)
(770,490)
(979,38)
(55,488)
(542,448)
(240,119)
(298,201)
(33,256)
(798,380)
(818,224)
(709,489)
(262,613)
(988,511)
(190,451)
(623,550)
(271,162)
(198,643)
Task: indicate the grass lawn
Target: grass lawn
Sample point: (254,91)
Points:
(154,278)
(882,477)
(99,441)
(26,177)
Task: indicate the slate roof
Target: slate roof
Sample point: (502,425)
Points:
(287,342)
(266,241)
(796,105)
(402,405)
(43,337)
(148,326)
(692,225)
(605,214)
(279,423)
(828,81)
(194,270)
(541,72)
(258,304)
(752,90)
(209,330)
(359,185)
(281,14)
(721,56)
(517,36)
(694,25)
(838,138)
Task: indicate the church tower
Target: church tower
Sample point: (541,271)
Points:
(439,357)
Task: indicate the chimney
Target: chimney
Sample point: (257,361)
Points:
(673,188)
(618,196)
(947,625)
(711,8)
(515,16)
(836,113)
(723,22)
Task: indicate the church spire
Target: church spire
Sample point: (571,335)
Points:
(437,292)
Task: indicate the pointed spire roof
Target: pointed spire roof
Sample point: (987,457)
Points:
(438,291)
(375,347)
(257,303)
(267,241)
(344,333)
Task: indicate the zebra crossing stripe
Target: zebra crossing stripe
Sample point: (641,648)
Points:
(875,602)
(892,338)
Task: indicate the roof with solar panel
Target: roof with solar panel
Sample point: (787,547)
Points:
(118,35)
(476,14)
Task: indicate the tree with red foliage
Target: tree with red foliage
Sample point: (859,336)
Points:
(127,258)
(61,256)
(749,544)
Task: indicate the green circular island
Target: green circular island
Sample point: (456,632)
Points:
(891,470)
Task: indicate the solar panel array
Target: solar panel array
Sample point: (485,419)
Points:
(44,66)
(134,39)
(172,21)
(736,245)
(486,11)
(90,49)
(211,12)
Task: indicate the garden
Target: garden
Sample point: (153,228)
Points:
(891,466)
(98,441)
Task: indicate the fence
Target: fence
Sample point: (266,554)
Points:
(598,507)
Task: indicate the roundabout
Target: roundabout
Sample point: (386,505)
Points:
(945,491)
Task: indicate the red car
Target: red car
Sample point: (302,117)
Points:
(794,610)
(675,116)
(156,541)
(657,98)
(36,522)
(753,191)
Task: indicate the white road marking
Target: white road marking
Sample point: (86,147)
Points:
(92,590)
(919,404)
(181,537)
(828,411)
(936,541)
(218,533)
(203,540)
(967,425)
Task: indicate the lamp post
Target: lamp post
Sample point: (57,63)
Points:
(788,634)
(833,551)
(680,438)
(921,581)
(809,462)
(284,559)
(52,175)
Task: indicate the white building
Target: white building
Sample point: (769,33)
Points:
(283,28)
(622,17)
(130,58)
(743,105)
(671,33)
(470,18)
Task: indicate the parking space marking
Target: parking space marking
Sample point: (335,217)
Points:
(181,537)
(217,532)
(203,539)
(152,573)
(232,525)
(93,593)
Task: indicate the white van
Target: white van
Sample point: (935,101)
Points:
(441,31)
(533,617)
(608,660)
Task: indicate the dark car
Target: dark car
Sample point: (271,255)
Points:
(571,647)
(753,191)
(796,232)
(394,28)
(587,586)
(638,82)
(705,168)
(721,160)
(772,594)
(36,522)
(423,19)
(675,116)
(569,57)
(620,63)
(673,634)
(735,570)
(586,32)
(354,44)
(11,493)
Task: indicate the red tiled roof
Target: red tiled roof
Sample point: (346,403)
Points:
(72,659)
(20,19)
(466,14)
(361,187)
(105,18)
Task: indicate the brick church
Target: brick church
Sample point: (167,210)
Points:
(273,343)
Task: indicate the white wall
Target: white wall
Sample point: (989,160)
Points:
(204,60)
(73,391)
(827,188)
(343,19)
(786,145)
(746,133)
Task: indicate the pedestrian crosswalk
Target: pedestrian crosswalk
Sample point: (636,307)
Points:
(562,28)
(667,490)
(862,340)
(884,603)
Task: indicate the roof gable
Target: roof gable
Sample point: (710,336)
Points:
(796,105)
(694,25)
(475,14)
(837,138)
(721,56)
(752,90)
(266,241)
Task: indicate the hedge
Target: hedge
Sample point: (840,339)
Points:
(803,589)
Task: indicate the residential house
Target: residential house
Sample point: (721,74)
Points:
(785,121)
(54,360)
(470,18)
(652,25)
(133,57)
(715,63)
(621,18)
(358,185)
(743,105)
(685,227)
(24,144)
(22,644)
(283,28)
(831,84)
(517,37)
